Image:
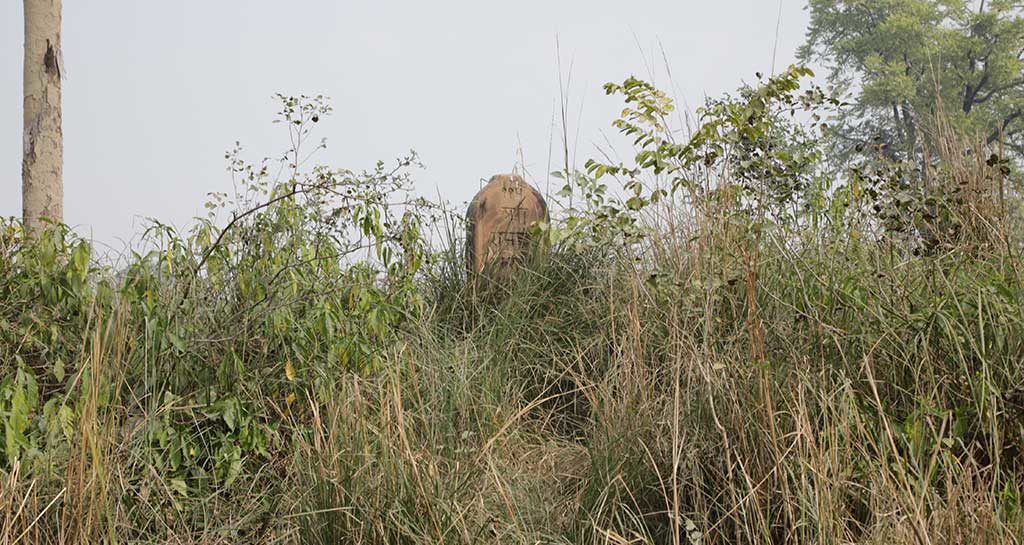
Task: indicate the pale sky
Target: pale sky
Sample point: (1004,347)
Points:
(156,92)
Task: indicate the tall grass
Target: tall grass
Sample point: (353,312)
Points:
(710,385)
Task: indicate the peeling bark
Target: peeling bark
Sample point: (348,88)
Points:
(42,189)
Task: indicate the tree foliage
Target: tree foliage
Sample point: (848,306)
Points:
(908,60)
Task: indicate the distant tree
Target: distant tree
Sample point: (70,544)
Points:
(906,58)
(43,149)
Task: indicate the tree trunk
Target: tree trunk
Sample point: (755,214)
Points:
(910,127)
(42,189)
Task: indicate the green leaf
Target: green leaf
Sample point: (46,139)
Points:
(234,468)
(176,341)
(66,418)
(635,203)
(178,485)
(17,421)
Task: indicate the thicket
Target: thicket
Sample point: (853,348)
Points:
(728,340)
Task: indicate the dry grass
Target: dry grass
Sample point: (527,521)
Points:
(777,387)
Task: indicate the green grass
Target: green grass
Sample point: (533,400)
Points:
(593,407)
(711,384)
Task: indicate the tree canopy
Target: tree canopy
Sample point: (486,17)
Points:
(906,59)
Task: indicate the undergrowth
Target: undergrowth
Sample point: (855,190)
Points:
(737,344)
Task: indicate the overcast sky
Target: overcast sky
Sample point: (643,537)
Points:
(157,91)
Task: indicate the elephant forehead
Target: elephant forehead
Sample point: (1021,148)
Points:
(499,218)
(507,197)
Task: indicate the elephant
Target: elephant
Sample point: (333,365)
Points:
(498,222)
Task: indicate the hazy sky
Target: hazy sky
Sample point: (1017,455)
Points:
(157,91)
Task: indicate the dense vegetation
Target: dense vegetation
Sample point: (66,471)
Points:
(730,344)
(908,58)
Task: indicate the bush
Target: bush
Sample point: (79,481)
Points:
(728,344)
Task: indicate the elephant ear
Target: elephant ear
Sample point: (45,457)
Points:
(543,203)
(471,214)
